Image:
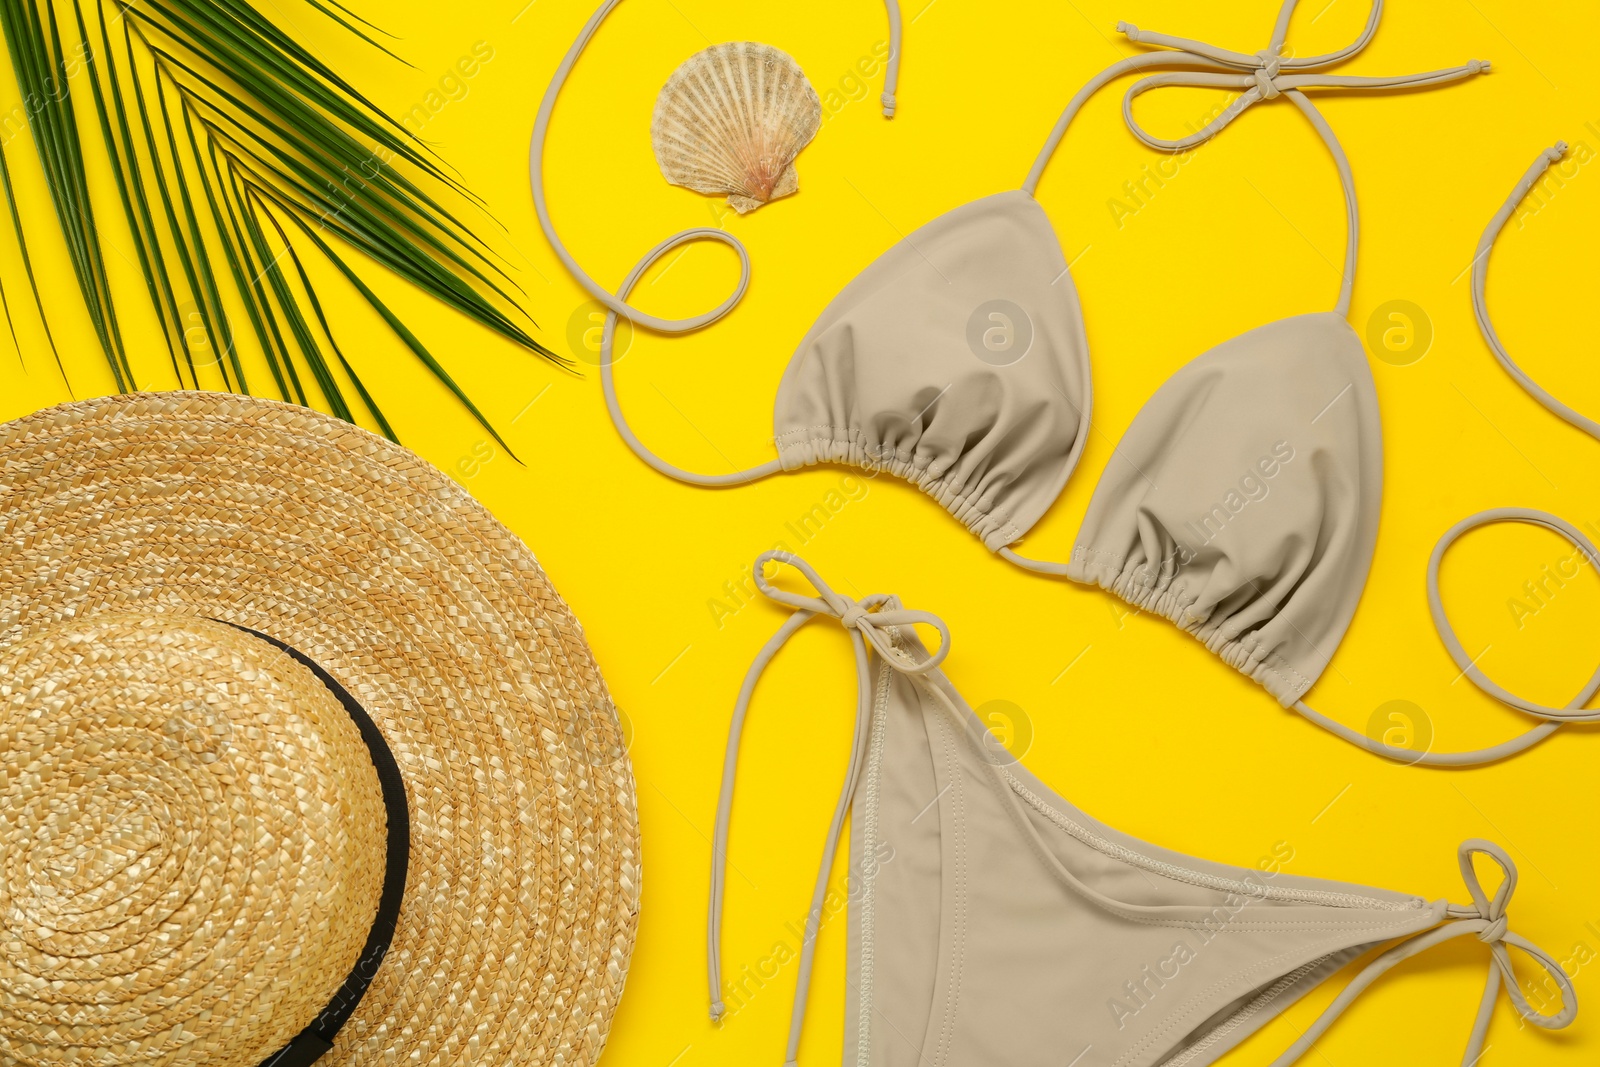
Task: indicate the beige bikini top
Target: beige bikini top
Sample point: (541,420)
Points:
(1243,501)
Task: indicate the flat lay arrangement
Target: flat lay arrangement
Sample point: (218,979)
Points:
(1272,602)
(303,759)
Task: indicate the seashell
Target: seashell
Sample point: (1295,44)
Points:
(731,119)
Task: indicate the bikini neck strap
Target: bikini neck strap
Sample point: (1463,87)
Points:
(1266,75)
(1550,718)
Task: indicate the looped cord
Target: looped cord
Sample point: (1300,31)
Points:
(1485,919)
(1264,75)
(616,303)
(1553,718)
(1480,281)
(1491,911)
(1573,712)
(867,621)
(855,615)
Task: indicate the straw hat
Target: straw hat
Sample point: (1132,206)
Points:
(297,743)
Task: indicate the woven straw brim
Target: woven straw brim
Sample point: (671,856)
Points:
(522,891)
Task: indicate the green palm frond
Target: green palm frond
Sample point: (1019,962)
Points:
(229,143)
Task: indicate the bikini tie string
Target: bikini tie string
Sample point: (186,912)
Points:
(1485,918)
(1264,75)
(859,616)
(1266,72)
(868,621)
(1495,932)
(1585,552)
(1480,300)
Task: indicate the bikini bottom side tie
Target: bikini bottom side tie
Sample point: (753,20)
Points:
(992,922)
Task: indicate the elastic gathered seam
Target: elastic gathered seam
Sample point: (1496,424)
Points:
(1112,573)
(805,446)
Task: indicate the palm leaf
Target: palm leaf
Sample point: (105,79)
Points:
(230,143)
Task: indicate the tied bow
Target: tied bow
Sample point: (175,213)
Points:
(869,621)
(1485,917)
(1265,75)
(867,617)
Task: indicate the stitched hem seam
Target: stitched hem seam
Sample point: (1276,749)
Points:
(1244,1014)
(872,785)
(1198,878)
(958,925)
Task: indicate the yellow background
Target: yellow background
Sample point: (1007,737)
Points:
(1130,719)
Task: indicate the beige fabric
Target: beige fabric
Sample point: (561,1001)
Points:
(1243,501)
(888,378)
(1242,504)
(1550,718)
(991,922)
(970,950)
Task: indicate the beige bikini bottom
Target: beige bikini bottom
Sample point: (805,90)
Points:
(991,922)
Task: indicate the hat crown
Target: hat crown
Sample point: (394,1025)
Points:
(193,838)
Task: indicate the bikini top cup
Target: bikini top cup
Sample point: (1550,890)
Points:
(1243,502)
(885,380)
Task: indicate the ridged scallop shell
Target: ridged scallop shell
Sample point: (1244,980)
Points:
(731,119)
